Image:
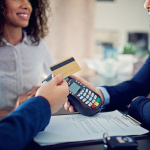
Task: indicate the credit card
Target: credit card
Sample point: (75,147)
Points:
(66,67)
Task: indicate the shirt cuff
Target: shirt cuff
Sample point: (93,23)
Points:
(106,96)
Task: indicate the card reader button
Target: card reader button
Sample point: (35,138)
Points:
(87,102)
(86,90)
(98,100)
(81,97)
(78,95)
(96,103)
(89,92)
(95,96)
(90,104)
(87,96)
(92,94)
(83,89)
(90,98)
(84,99)
(84,94)
(93,106)
(93,100)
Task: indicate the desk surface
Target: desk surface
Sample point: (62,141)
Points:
(144,144)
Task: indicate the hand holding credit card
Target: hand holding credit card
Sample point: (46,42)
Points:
(83,99)
(66,67)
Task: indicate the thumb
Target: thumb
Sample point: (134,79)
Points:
(58,79)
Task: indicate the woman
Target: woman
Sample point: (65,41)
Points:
(24,56)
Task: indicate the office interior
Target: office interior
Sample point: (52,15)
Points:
(109,39)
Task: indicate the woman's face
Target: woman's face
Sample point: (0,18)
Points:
(18,12)
(147,5)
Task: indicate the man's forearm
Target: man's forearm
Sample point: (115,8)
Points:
(20,126)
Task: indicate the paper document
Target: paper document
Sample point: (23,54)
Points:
(76,127)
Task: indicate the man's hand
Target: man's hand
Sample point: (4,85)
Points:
(132,100)
(55,91)
(136,98)
(67,105)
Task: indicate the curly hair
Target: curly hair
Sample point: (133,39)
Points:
(37,27)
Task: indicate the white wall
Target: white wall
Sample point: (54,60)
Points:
(72,31)
(123,16)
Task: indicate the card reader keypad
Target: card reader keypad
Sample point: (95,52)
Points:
(89,98)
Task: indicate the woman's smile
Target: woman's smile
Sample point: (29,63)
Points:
(24,16)
(18,13)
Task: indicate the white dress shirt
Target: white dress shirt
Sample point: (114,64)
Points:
(21,67)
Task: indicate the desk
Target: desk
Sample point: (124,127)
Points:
(144,144)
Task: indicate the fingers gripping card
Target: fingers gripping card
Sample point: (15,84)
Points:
(66,67)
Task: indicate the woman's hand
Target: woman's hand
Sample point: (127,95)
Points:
(33,91)
(21,98)
(67,105)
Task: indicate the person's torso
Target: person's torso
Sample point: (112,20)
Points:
(21,67)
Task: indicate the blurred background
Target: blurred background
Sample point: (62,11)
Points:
(109,39)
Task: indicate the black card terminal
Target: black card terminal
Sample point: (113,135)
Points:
(83,99)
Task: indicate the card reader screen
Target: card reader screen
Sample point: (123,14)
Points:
(74,88)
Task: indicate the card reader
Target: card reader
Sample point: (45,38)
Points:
(83,99)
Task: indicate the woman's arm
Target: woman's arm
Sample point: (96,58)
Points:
(21,98)
(33,91)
